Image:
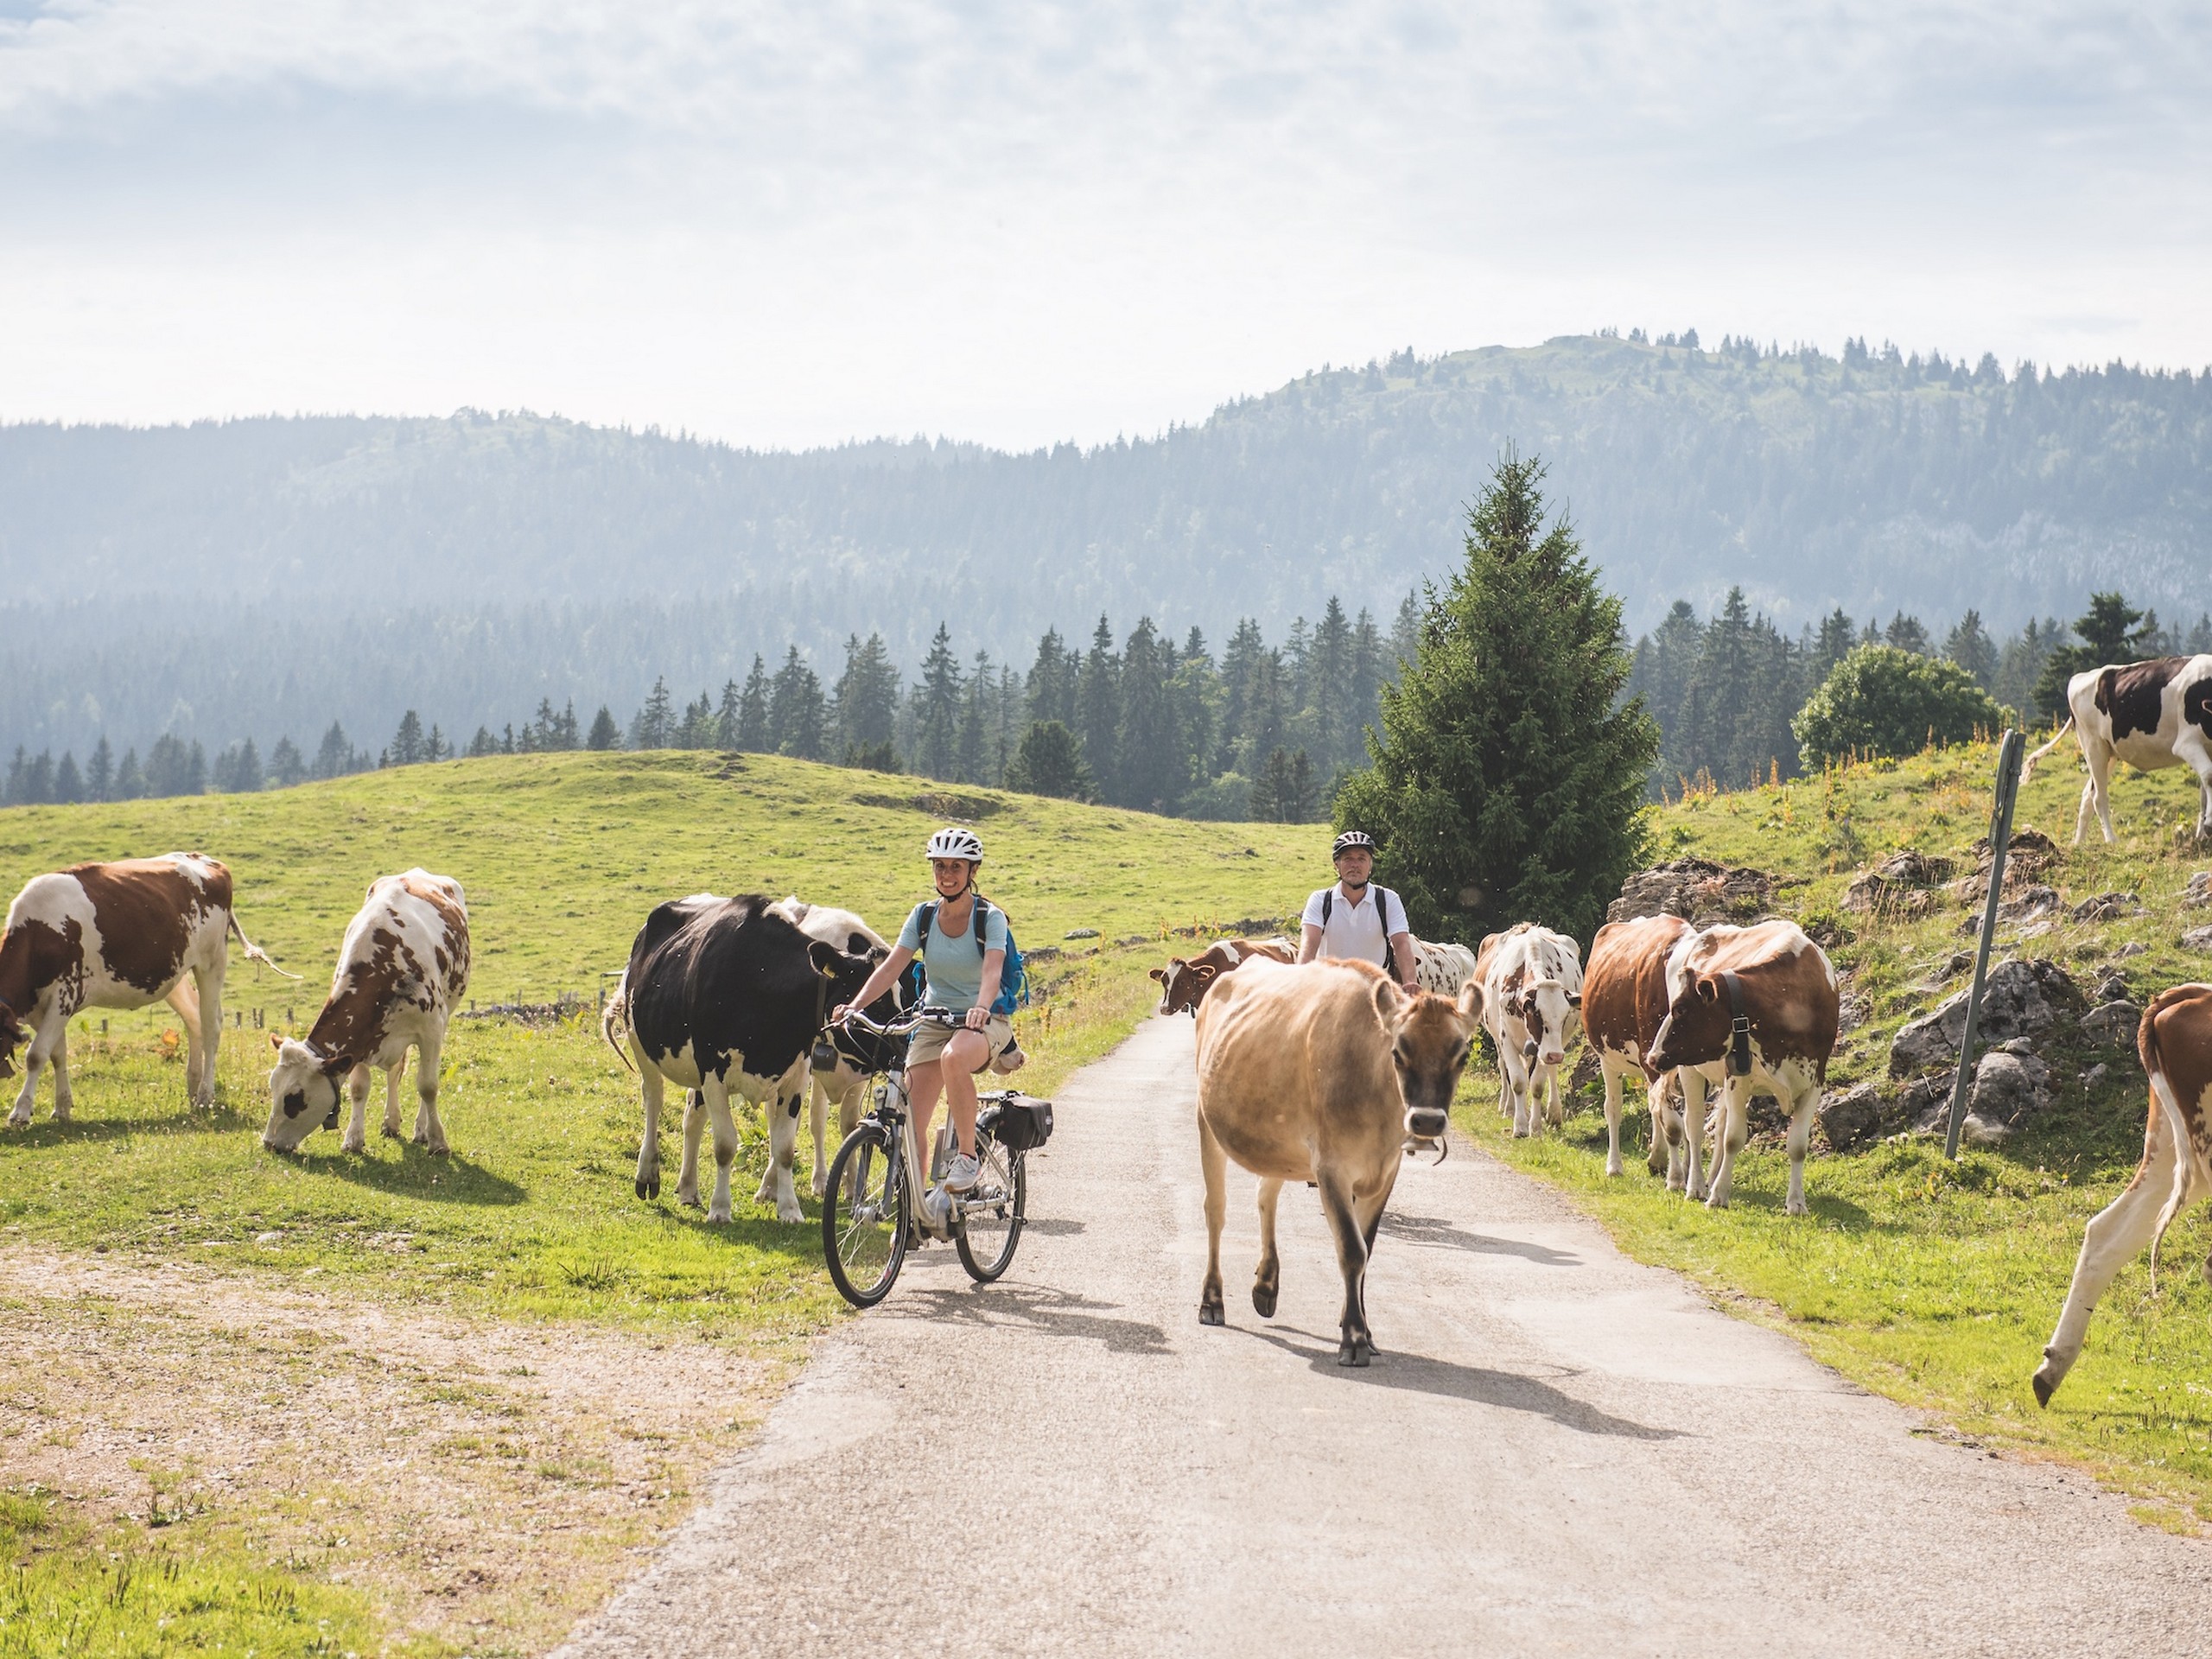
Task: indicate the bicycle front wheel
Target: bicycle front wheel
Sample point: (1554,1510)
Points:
(864,1217)
(994,1212)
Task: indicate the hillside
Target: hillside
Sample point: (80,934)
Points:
(269,576)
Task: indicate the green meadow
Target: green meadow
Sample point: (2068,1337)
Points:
(1938,1283)
(532,1216)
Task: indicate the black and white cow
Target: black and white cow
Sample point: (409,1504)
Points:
(2151,715)
(726,995)
(860,1055)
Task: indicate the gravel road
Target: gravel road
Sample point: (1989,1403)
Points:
(1557,1451)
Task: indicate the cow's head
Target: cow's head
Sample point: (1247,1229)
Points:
(1183,985)
(1696,1028)
(1430,1038)
(845,970)
(303,1092)
(1547,1010)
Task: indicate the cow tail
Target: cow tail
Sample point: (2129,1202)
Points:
(254,952)
(2162,1100)
(614,1019)
(2028,766)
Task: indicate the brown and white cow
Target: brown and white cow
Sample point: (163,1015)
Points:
(401,973)
(2151,715)
(1531,1000)
(1184,982)
(1442,969)
(1623,1000)
(1320,1074)
(2174,1044)
(1748,1008)
(124,935)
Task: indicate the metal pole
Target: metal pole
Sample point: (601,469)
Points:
(2000,835)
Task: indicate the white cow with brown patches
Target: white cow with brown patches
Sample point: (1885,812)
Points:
(401,973)
(2174,1044)
(124,935)
(1531,998)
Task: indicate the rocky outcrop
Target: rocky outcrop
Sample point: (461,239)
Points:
(2198,893)
(2197,938)
(2028,854)
(2111,1025)
(1851,1117)
(2109,907)
(1899,885)
(1696,889)
(2022,999)
(2011,1085)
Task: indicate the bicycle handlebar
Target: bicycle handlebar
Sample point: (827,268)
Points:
(906,1024)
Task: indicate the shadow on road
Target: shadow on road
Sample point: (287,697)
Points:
(1435,1231)
(1051,1227)
(1038,1307)
(1505,1389)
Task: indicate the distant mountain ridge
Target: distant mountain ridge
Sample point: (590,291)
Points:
(336,553)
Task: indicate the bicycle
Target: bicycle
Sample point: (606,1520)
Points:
(869,1216)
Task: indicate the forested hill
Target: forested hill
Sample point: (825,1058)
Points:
(351,561)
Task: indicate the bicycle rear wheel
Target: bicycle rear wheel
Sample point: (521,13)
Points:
(994,1212)
(864,1217)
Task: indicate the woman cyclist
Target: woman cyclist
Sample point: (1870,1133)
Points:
(961,978)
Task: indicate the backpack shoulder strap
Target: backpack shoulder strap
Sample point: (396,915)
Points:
(1328,904)
(929,921)
(982,909)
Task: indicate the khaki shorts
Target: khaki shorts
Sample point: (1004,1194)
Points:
(928,1041)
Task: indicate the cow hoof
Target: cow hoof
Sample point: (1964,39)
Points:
(718,1218)
(1615,1170)
(1795,1207)
(2045,1388)
(19,1119)
(793,1214)
(1355,1354)
(389,1131)
(1210,1313)
(1263,1300)
(354,1147)
(649,1188)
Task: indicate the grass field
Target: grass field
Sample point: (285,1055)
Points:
(1935,1283)
(532,1216)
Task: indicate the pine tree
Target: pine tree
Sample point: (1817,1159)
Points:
(1238,663)
(728,716)
(1405,637)
(68,786)
(1837,638)
(483,743)
(38,778)
(130,781)
(1968,645)
(407,742)
(865,704)
(99,775)
(605,734)
(973,762)
(654,726)
(1907,633)
(2111,631)
(287,767)
(1150,776)
(696,729)
(434,747)
(1098,709)
(752,737)
(936,710)
(798,722)
(1508,775)
(1049,762)
(1052,681)
(1336,718)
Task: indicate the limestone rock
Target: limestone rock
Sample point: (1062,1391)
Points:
(2109,907)
(2198,893)
(1851,1117)
(2009,1088)
(2111,1025)
(2197,938)
(1696,889)
(1898,884)
(2021,998)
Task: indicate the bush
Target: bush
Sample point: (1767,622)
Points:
(1880,700)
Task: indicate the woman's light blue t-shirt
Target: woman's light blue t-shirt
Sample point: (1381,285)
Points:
(952,964)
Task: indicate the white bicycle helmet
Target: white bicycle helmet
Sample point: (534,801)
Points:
(956,842)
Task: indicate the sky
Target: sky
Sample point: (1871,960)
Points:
(785,225)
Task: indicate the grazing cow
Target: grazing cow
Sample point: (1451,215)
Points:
(1531,997)
(1747,1008)
(124,935)
(1442,969)
(402,968)
(1184,980)
(2151,715)
(723,995)
(1623,1000)
(1320,1074)
(860,1055)
(2174,1044)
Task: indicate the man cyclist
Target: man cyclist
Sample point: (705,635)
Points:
(1356,918)
(958,977)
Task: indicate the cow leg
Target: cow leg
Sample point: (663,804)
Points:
(1350,1230)
(1609,1069)
(695,1121)
(650,1085)
(1693,1088)
(357,1123)
(1555,1098)
(717,1108)
(1800,1131)
(1266,1284)
(2116,1235)
(392,1075)
(777,1186)
(429,1129)
(43,1043)
(818,1121)
(1213,1163)
(64,1098)
(211,1034)
(1516,1085)
(2097,793)
(1735,1118)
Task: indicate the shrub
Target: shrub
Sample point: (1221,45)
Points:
(1880,700)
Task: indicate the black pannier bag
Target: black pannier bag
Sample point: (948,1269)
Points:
(1019,1125)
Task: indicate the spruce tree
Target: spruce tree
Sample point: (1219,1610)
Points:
(2111,631)
(936,710)
(1151,773)
(99,773)
(1968,645)
(288,767)
(1507,778)
(1052,681)
(130,781)
(1098,709)
(865,704)
(654,726)
(407,742)
(68,786)
(604,733)
(1049,762)
(753,711)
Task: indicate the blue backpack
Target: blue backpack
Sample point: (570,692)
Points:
(1013,977)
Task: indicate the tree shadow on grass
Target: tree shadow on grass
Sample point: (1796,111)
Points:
(1508,1390)
(437,1178)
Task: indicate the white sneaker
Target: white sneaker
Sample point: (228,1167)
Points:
(961,1177)
(937,1212)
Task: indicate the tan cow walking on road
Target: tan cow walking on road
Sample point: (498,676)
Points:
(1320,1073)
(1748,1008)
(2174,1044)
(1624,1002)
